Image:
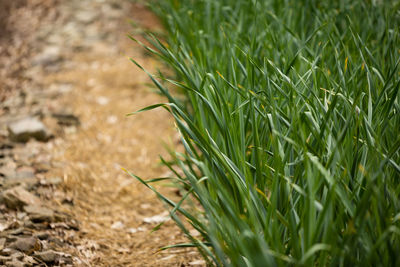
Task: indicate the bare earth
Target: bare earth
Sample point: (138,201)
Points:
(81,53)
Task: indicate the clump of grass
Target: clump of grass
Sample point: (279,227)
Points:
(290,126)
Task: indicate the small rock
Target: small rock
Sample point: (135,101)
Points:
(135,230)
(66,119)
(112,119)
(21,215)
(49,56)
(25,172)
(2,243)
(70,130)
(102,100)
(197,263)
(23,130)
(194,232)
(15,263)
(39,214)
(7,252)
(27,183)
(16,231)
(12,253)
(8,169)
(157,218)
(46,256)
(26,244)
(168,257)
(18,197)
(61,216)
(4,259)
(117,225)
(3,226)
(36,226)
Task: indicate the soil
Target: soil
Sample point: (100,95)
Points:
(76,78)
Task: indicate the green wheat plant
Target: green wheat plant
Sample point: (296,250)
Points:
(291,127)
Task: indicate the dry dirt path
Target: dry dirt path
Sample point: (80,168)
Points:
(83,55)
(112,208)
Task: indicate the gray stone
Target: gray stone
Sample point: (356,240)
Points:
(7,252)
(4,225)
(28,245)
(27,183)
(2,243)
(67,119)
(25,172)
(18,197)
(46,256)
(16,231)
(24,129)
(22,176)
(39,214)
(49,56)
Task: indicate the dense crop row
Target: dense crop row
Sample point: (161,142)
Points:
(291,127)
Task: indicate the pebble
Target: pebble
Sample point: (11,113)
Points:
(7,252)
(2,243)
(30,127)
(197,263)
(24,172)
(66,119)
(18,197)
(4,259)
(117,225)
(50,55)
(46,256)
(27,183)
(3,226)
(39,214)
(157,218)
(102,100)
(28,245)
